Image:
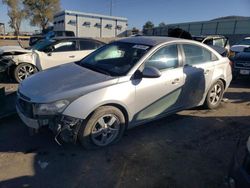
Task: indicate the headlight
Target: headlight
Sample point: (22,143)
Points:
(248,144)
(51,108)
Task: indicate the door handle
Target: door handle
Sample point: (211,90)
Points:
(72,56)
(175,81)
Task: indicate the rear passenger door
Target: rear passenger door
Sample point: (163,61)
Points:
(198,73)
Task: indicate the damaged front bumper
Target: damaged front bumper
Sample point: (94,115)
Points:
(65,128)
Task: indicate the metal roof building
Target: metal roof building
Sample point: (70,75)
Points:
(90,25)
(234,27)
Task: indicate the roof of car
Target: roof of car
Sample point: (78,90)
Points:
(75,38)
(149,40)
(208,36)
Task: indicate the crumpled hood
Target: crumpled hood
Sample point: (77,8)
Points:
(6,49)
(238,48)
(67,81)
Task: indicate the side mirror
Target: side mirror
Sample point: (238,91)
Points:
(49,54)
(151,72)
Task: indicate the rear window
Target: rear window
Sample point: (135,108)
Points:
(89,45)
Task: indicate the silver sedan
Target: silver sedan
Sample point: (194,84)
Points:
(123,84)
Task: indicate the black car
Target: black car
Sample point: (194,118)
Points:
(51,34)
(241,63)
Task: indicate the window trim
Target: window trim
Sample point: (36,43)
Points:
(180,59)
(184,56)
(65,41)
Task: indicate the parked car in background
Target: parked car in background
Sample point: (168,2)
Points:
(49,35)
(46,54)
(123,84)
(241,63)
(214,40)
(239,47)
(239,172)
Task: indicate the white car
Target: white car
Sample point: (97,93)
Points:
(240,46)
(46,54)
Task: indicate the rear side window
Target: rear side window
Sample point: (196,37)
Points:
(164,58)
(69,33)
(196,55)
(65,46)
(89,45)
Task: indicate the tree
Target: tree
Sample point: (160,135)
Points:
(41,12)
(162,24)
(147,25)
(16,14)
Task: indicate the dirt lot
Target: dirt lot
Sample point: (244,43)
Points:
(191,149)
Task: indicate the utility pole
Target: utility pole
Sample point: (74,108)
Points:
(111,6)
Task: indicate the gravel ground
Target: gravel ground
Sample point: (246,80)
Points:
(190,149)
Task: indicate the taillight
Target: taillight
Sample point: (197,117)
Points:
(231,63)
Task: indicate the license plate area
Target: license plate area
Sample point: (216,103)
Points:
(245,72)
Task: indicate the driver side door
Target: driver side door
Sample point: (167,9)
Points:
(60,53)
(155,97)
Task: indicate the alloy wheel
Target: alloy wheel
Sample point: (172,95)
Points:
(25,71)
(215,94)
(105,130)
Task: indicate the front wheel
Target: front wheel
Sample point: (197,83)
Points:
(105,127)
(24,70)
(215,95)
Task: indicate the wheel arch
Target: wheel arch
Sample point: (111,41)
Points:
(122,108)
(116,105)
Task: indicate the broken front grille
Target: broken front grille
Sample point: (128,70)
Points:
(242,64)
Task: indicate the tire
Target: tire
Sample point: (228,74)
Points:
(214,95)
(96,133)
(23,70)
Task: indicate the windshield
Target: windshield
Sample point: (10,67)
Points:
(115,59)
(41,45)
(244,42)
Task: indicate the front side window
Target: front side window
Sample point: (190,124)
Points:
(164,58)
(116,58)
(195,54)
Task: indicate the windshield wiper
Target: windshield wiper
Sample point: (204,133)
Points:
(94,68)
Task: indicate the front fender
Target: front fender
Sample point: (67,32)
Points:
(122,94)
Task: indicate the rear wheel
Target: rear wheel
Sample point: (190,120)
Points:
(23,71)
(105,127)
(215,95)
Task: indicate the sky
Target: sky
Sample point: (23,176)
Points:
(140,11)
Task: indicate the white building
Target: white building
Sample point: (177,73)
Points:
(90,25)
